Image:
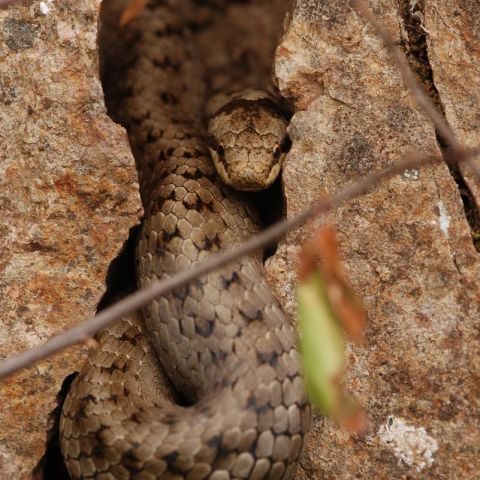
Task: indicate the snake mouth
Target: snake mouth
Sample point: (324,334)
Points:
(247,178)
(248,181)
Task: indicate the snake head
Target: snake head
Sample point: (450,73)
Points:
(248,141)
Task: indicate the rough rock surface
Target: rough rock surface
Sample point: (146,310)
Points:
(407,248)
(454,53)
(68,197)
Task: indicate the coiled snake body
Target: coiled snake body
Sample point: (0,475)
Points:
(223,341)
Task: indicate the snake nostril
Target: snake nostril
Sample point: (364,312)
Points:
(221,150)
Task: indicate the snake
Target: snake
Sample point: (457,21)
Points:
(239,409)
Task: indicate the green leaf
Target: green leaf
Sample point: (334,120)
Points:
(322,344)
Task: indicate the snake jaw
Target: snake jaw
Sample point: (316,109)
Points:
(249,176)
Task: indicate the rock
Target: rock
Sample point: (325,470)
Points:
(68,199)
(406,246)
(454,53)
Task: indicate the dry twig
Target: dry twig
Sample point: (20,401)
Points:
(6,3)
(423,101)
(83,331)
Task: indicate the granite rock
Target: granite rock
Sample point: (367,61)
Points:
(454,53)
(68,199)
(406,246)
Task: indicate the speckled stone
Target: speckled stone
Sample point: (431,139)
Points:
(406,246)
(454,54)
(68,197)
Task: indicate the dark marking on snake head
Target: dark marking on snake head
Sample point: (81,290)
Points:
(192,173)
(228,281)
(192,203)
(208,206)
(98,450)
(181,293)
(170,458)
(205,329)
(211,243)
(137,418)
(263,409)
(100,437)
(81,413)
(271,358)
(251,108)
(252,402)
(218,357)
(167,236)
(131,462)
(215,441)
(130,334)
(120,364)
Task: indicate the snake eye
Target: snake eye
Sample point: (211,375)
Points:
(277,151)
(221,150)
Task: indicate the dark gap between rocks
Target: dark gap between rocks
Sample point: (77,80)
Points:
(270,205)
(51,466)
(415,48)
(120,281)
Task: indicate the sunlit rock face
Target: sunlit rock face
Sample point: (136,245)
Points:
(68,198)
(406,246)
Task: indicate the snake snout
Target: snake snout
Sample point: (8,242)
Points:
(250,180)
(243,169)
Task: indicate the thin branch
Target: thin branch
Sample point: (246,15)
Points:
(85,330)
(423,101)
(7,3)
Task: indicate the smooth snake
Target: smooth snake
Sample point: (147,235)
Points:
(224,341)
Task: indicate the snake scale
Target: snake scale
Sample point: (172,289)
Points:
(224,341)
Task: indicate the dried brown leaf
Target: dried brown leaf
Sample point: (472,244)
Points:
(322,252)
